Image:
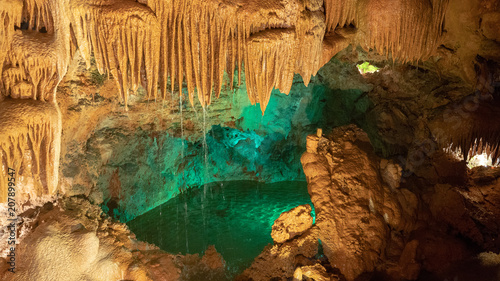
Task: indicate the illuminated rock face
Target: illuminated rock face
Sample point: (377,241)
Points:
(292,223)
(278,261)
(356,210)
(30,144)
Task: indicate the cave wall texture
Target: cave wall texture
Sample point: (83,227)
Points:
(127,103)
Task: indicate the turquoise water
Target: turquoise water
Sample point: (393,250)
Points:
(235,216)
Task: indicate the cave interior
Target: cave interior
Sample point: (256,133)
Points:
(353,140)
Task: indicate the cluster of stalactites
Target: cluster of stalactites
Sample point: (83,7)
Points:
(10,16)
(408,30)
(32,57)
(29,144)
(340,13)
(269,64)
(192,44)
(125,39)
(31,70)
(201,40)
(478,142)
(38,15)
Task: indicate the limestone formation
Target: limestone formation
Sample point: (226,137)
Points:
(355,209)
(280,260)
(292,223)
(197,41)
(472,210)
(30,144)
(162,44)
(437,89)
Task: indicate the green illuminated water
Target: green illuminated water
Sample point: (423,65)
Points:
(238,216)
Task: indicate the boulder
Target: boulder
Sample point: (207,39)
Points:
(292,223)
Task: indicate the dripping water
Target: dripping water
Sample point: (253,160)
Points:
(182,125)
(186,223)
(205,151)
(205,171)
(186,218)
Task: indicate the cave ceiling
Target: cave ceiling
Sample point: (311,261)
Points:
(166,44)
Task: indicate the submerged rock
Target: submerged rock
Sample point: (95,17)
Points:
(212,259)
(292,223)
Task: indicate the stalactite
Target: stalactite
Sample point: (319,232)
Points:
(200,40)
(340,13)
(475,129)
(310,31)
(477,143)
(30,144)
(36,59)
(269,64)
(409,30)
(10,16)
(38,15)
(193,43)
(31,69)
(125,39)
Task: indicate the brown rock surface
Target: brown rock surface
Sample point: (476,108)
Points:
(279,260)
(213,259)
(316,272)
(474,209)
(292,223)
(355,209)
(490,23)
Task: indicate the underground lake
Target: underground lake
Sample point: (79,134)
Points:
(235,216)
